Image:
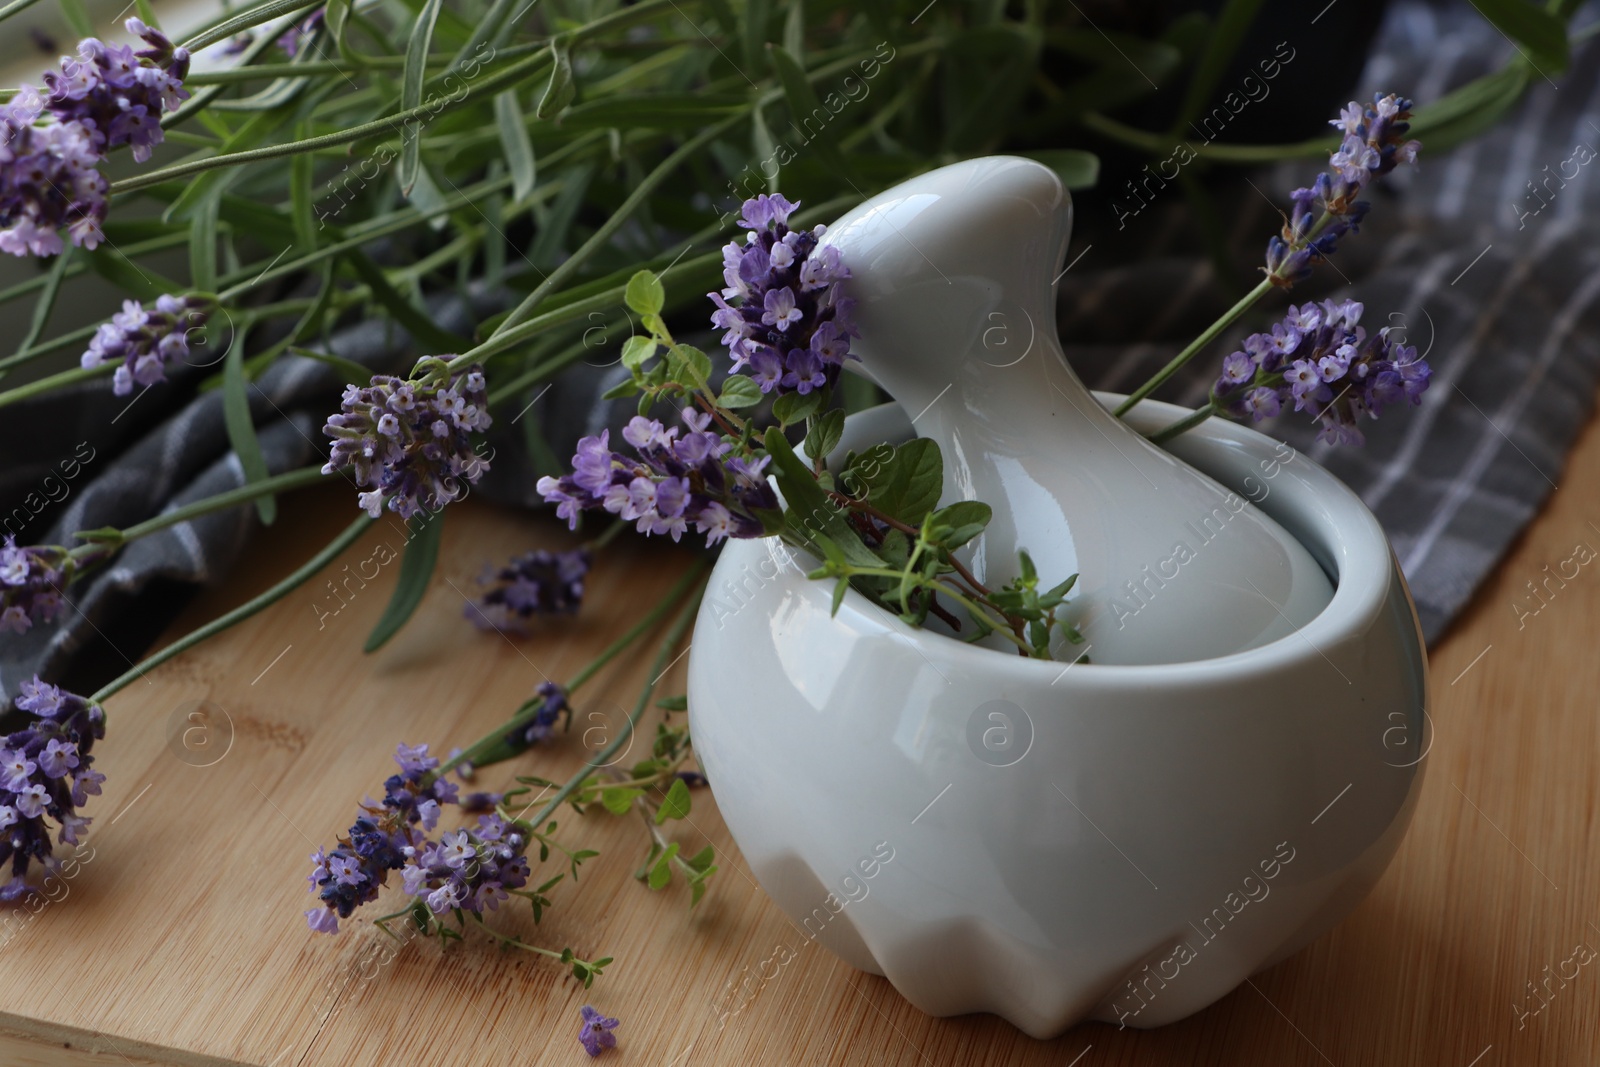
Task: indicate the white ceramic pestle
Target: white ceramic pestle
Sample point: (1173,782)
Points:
(954,274)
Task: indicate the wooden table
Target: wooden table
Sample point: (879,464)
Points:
(181,941)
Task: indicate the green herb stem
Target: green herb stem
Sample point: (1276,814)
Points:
(244,494)
(1206,337)
(238,614)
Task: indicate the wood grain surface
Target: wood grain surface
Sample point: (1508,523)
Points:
(181,940)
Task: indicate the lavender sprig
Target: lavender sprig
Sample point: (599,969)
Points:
(146,340)
(46,775)
(408,440)
(1320,215)
(108,96)
(669,483)
(534,583)
(791,327)
(31,581)
(1322,359)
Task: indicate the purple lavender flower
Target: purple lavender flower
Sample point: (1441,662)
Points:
(299,34)
(145,341)
(548,704)
(791,327)
(596,1034)
(408,441)
(108,96)
(1334,370)
(535,583)
(382,839)
(1373,144)
(470,869)
(45,774)
(31,581)
(674,482)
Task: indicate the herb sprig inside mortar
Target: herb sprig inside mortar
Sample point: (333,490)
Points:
(875,522)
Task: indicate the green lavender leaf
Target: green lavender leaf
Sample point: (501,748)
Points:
(45,304)
(241,428)
(791,408)
(515,144)
(1541,33)
(560,89)
(416,569)
(416,71)
(77,17)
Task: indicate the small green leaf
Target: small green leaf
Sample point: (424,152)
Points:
(690,366)
(677,703)
(661,873)
(645,293)
(702,860)
(515,144)
(965,520)
(823,433)
(618,799)
(676,803)
(241,428)
(415,73)
(416,568)
(791,408)
(907,484)
(739,392)
(560,90)
(637,351)
(627,387)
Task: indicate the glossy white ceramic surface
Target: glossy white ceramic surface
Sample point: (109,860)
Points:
(954,275)
(1125,843)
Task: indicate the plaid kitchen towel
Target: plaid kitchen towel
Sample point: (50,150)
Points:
(1491,267)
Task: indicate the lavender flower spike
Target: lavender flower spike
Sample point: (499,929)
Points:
(145,341)
(46,774)
(1373,144)
(535,583)
(108,96)
(31,583)
(1323,360)
(675,482)
(408,440)
(791,327)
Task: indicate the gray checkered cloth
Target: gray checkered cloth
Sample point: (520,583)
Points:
(1506,308)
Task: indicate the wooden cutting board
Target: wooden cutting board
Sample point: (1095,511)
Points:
(181,940)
